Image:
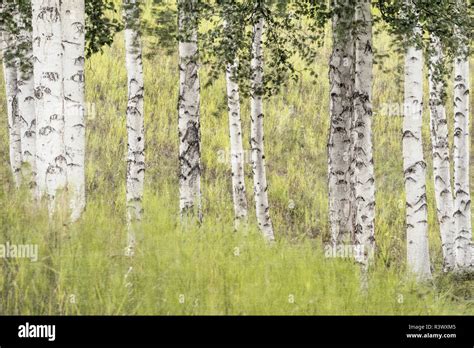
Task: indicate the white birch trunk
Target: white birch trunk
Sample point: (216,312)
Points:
(364,180)
(73,40)
(341,78)
(188,112)
(236,147)
(414,167)
(48,78)
(11,86)
(135,120)
(257,135)
(441,163)
(462,196)
(26,102)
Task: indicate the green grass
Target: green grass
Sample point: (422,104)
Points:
(207,270)
(211,269)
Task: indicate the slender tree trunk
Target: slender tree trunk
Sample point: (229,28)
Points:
(26,101)
(364,180)
(236,146)
(341,78)
(135,119)
(189,127)
(73,40)
(48,78)
(414,166)
(462,196)
(260,186)
(10,64)
(235,126)
(441,163)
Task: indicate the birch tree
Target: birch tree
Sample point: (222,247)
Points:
(414,164)
(236,148)
(440,149)
(424,16)
(461,154)
(364,180)
(48,80)
(135,119)
(341,79)
(236,143)
(73,40)
(26,101)
(10,64)
(260,186)
(189,127)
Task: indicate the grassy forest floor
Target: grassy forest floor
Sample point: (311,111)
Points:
(211,269)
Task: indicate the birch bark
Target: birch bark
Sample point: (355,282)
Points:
(440,149)
(236,144)
(462,196)
(189,128)
(10,64)
(26,101)
(364,180)
(341,79)
(73,41)
(257,135)
(48,80)
(414,166)
(135,120)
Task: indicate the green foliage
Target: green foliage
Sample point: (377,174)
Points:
(101,26)
(450,21)
(438,17)
(8,25)
(131,9)
(293,30)
(161,26)
(15,18)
